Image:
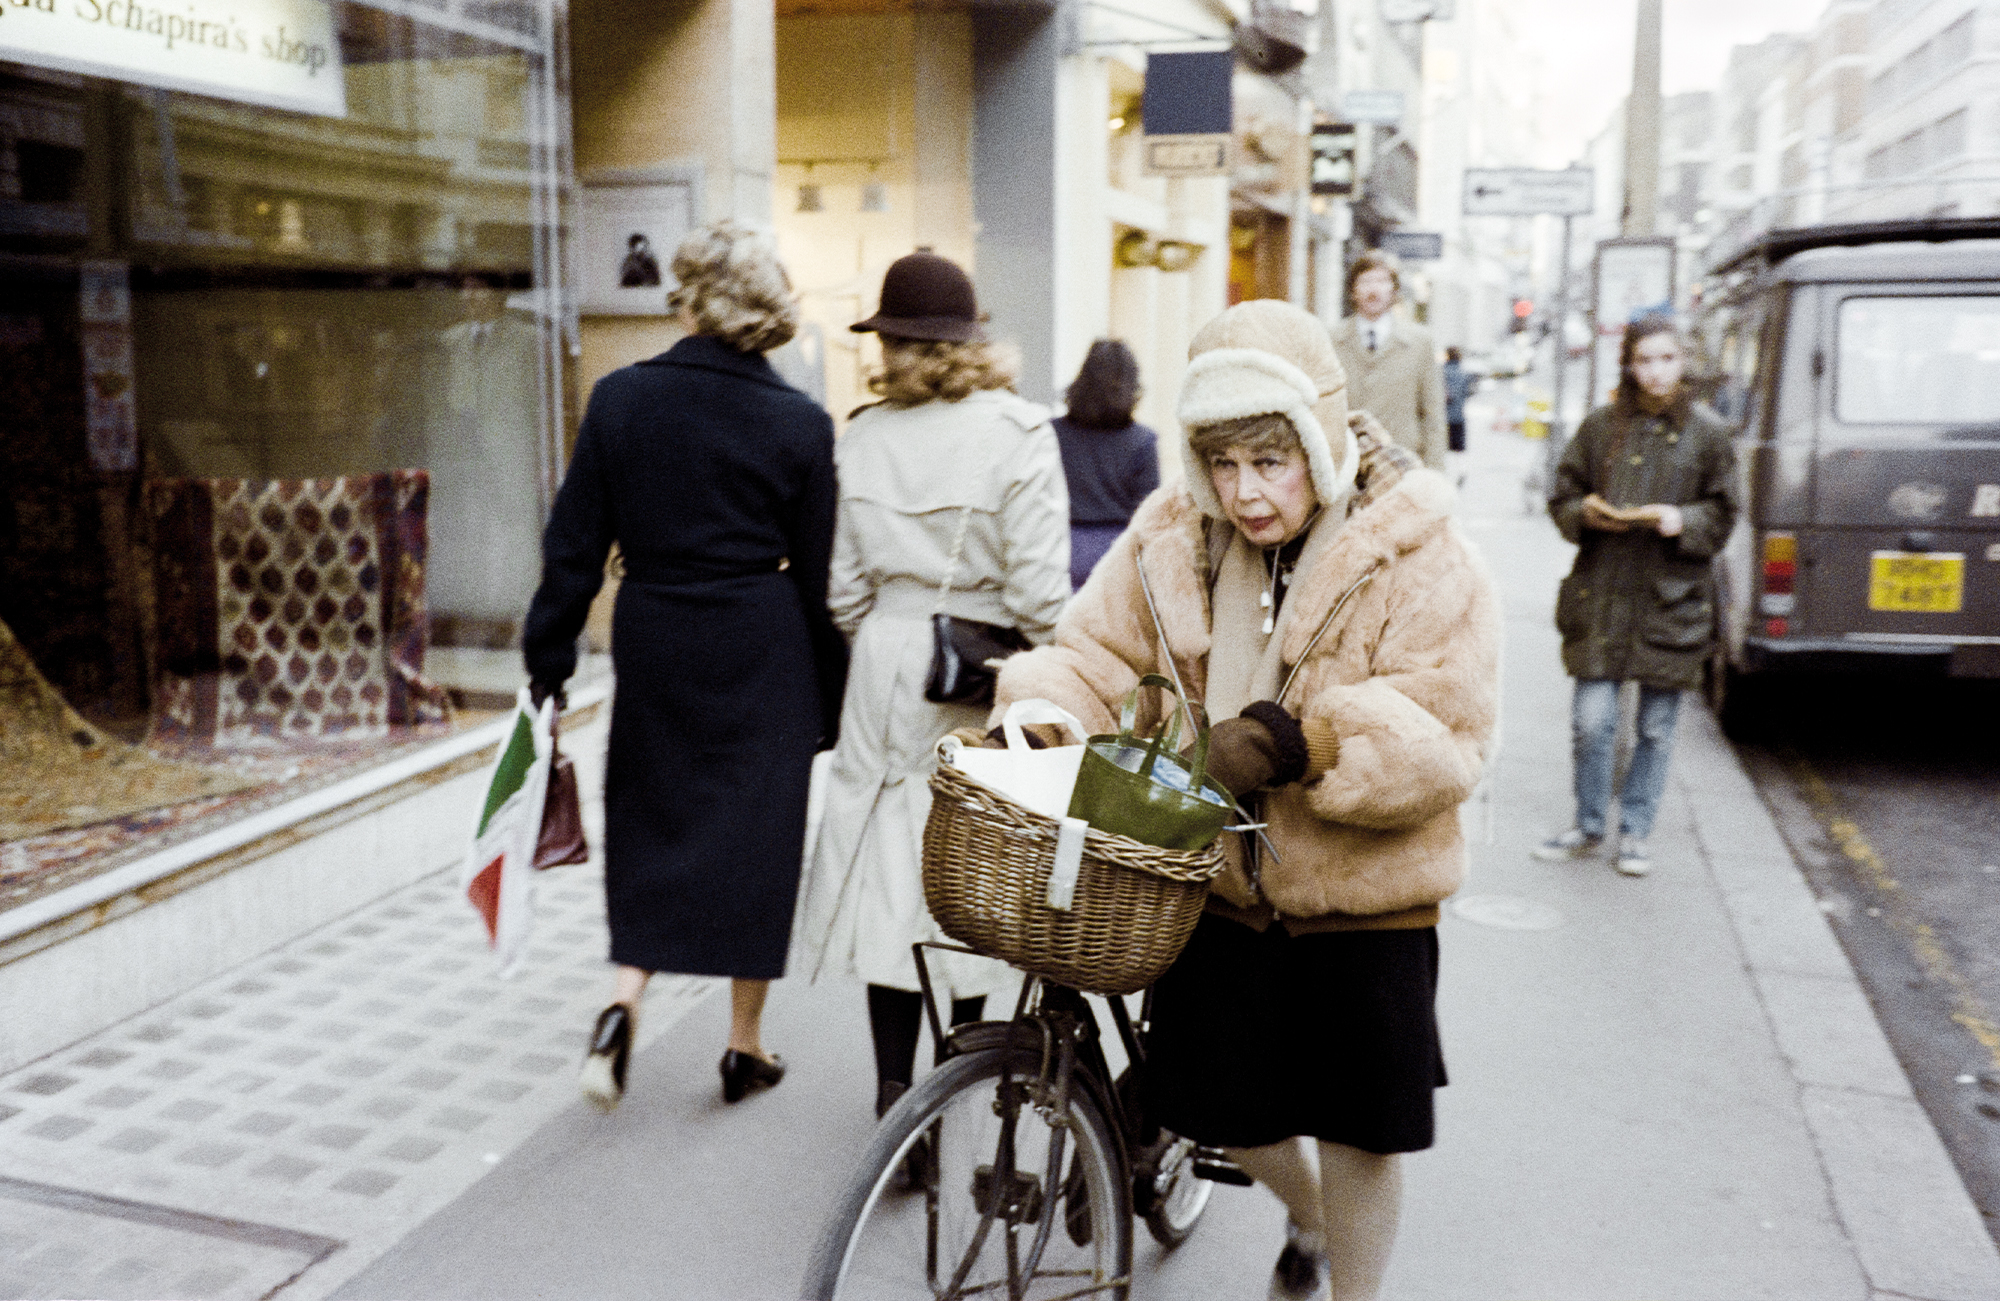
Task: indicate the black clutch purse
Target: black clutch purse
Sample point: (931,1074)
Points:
(965,653)
(964,658)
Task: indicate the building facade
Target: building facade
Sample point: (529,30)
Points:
(296,346)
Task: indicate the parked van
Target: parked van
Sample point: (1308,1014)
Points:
(1861,367)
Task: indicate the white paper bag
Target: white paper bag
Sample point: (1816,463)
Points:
(1041,780)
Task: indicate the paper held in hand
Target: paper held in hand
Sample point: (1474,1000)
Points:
(1626,514)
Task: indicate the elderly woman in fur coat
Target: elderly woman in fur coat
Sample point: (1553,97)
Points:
(1316,596)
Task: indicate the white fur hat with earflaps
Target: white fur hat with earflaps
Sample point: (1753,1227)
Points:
(1231,383)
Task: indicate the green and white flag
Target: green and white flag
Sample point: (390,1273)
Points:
(499,872)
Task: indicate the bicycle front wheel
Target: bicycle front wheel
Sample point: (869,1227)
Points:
(954,1195)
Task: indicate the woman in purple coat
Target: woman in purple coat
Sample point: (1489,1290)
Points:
(1110,460)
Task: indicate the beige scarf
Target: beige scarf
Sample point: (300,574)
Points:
(1246,664)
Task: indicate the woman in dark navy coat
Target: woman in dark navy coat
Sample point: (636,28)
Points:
(715,479)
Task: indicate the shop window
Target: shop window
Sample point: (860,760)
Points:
(281,405)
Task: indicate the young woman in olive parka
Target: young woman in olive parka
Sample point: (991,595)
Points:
(1639,604)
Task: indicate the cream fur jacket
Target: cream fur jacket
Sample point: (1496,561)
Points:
(1406,674)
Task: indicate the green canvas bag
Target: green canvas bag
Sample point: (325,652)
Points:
(1143,789)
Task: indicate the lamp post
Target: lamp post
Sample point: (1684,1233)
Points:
(1642,125)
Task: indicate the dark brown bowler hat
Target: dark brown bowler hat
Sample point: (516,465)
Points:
(925,296)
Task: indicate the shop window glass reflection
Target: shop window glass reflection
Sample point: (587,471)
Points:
(224,328)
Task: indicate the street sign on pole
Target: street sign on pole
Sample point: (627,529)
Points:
(1635,278)
(1528,192)
(1372,107)
(1414,245)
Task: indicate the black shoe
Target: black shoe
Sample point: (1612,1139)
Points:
(1300,1274)
(742,1072)
(603,1076)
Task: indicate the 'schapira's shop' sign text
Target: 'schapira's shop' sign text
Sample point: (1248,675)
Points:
(280,53)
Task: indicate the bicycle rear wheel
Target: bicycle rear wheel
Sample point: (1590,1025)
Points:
(970,1229)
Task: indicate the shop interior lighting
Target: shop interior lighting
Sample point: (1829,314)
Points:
(1135,248)
(1175,254)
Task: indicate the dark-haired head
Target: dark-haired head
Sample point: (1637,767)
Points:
(1106,389)
(1453,354)
(1629,395)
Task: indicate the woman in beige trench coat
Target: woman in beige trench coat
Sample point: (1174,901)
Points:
(949,463)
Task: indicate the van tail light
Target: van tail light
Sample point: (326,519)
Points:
(1781,570)
(1781,563)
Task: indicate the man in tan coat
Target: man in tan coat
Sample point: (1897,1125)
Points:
(1392,367)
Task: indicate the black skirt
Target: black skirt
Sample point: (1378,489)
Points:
(1261,1037)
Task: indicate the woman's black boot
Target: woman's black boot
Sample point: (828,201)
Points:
(742,1072)
(603,1076)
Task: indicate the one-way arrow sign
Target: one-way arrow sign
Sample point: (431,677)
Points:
(1528,192)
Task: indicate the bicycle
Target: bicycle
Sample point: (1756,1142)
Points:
(1020,1126)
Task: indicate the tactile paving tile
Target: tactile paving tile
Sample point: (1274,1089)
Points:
(345,1085)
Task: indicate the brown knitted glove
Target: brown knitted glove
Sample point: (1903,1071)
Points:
(1267,747)
(1242,756)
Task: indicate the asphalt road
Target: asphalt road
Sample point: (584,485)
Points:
(1889,792)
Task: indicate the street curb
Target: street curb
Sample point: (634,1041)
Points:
(1896,1193)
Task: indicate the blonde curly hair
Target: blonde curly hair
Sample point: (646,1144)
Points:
(915,371)
(731,282)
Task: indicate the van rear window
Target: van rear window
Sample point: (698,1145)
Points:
(1930,360)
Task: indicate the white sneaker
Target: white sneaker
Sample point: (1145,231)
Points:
(1632,857)
(1568,846)
(1301,1273)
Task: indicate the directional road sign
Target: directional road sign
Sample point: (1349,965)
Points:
(1527,192)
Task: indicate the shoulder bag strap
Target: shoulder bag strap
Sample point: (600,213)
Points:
(951,564)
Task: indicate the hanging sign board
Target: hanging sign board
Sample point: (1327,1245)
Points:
(1372,107)
(278,53)
(1333,158)
(1188,112)
(1414,245)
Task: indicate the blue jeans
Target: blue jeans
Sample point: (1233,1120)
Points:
(1593,730)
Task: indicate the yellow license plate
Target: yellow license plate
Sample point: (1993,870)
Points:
(1919,582)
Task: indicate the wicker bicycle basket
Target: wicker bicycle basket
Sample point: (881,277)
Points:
(986,873)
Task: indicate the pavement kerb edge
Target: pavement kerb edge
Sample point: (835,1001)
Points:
(1930,1190)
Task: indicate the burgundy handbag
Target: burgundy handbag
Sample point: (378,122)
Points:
(561,839)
